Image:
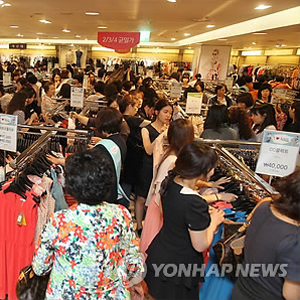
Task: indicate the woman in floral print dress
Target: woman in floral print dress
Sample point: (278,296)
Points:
(90,248)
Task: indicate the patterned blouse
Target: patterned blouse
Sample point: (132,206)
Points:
(48,104)
(91,251)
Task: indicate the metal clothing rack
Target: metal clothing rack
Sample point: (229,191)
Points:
(26,156)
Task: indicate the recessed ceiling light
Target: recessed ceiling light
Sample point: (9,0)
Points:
(66,30)
(72,45)
(102,27)
(5,4)
(37,38)
(56,37)
(39,33)
(45,21)
(253,43)
(222,39)
(190,48)
(283,45)
(91,13)
(14,26)
(172,1)
(20,35)
(262,6)
(1,2)
(173,39)
(78,36)
(277,46)
(187,34)
(210,26)
(259,33)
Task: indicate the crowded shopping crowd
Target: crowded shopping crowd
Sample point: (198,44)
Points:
(135,212)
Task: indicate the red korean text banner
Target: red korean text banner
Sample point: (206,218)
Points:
(118,40)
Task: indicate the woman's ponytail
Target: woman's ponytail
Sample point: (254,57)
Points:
(163,187)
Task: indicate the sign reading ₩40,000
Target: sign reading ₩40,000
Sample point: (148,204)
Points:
(118,40)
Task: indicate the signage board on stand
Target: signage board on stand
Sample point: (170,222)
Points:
(8,132)
(56,66)
(77,95)
(278,153)
(149,73)
(193,103)
(85,82)
(176,88)
(6,78)
(49,66)
(141,70)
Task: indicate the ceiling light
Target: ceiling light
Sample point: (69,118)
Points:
(5,4)
(1,2)
(78,36)
(14,26)
(45,21)
(253,43)
(262,6)
(39,33)
(189,47)
(210,26)
(72,45)
(277,45)
(20,35)
(187,34)
(66,30)
(173,39)
(56,37)
(102,27)
(172,1)
(91,13)
(222,39)
(283,45)
(259,33)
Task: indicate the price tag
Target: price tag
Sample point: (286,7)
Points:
(8,132)
(6,78)
(176,88)
(85,81)
(149,73)
(141,70)
(193,103)
(49,66)
(278,153)
(77,95)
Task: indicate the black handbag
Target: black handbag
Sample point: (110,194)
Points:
(230,249)
(30,286)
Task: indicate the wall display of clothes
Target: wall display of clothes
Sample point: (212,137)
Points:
(30,61)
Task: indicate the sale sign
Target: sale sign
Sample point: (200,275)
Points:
(278,153)
(118,40)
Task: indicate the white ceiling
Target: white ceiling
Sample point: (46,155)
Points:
(165,20)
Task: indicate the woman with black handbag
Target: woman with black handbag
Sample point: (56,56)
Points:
(273,241)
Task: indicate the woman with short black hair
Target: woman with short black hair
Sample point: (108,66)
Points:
(89,248)
(220,98)
(273,240)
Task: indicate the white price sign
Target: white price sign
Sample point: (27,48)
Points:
(49,66)
(193,103)
(8,132)
(85,81)
(278,153)
(6,78)
(176,88)
(141,70)
(149,73)
(77,95)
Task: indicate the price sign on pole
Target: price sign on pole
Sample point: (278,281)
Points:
(278,153)
(85,82)
(8,132)
(6,78)
(149,73)
(193,103)
(175,91)
(77,95)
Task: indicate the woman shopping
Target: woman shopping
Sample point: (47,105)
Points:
(188,227)
(90,248)
(273,240)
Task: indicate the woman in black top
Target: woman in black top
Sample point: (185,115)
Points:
(129,107)
(294,114)
(273,240)
(175,255)
(163,113)
(220,98)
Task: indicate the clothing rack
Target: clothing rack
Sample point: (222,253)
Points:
(246,174)
(26,156)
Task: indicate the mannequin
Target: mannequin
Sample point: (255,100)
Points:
(69,57)
(78,57)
